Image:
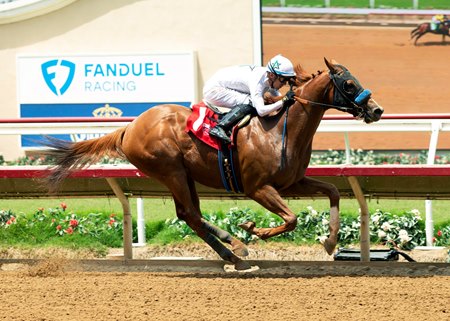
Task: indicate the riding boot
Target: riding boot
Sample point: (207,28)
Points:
(230,118)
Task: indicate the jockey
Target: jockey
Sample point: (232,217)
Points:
(242,88)
(437,20)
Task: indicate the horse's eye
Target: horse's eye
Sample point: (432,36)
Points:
(349,87)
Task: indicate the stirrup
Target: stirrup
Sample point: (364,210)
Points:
(220,134)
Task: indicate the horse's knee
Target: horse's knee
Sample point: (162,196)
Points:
(291,223)
(333,194)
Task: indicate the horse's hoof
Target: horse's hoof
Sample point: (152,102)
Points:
(248,226)
(329,246)
(242,265)
(239,248)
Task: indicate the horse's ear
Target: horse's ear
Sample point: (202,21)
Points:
(330,65)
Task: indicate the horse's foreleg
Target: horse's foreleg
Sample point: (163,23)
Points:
(237,246)
(187,210)
(268,197)
(309,186)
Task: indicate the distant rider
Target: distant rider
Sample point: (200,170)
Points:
(242,88)
(436,21)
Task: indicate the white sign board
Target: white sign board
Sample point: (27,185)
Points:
(103,85)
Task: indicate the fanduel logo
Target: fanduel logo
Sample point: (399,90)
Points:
(58,75)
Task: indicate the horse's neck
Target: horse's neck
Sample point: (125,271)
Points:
(317,90)
(304,118)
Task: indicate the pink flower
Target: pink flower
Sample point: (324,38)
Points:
(111,221)
(63,206)
(58,228)
(69,230)
(40,209)
(73,223)
(439,233)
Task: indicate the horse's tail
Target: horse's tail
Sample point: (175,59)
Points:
(70,156)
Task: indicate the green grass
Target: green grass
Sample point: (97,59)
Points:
(401,4)
(160,209)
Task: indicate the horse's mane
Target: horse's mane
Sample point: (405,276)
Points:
(303,76)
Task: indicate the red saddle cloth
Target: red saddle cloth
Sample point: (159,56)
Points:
(200,122)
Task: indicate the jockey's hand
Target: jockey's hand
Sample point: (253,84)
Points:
(288,99)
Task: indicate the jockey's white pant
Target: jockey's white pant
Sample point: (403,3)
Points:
(225,97)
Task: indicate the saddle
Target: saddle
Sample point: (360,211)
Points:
(202,119)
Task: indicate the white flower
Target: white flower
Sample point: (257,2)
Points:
(226,220)
(375,218)
(312,211)
(386,226)
(404,237)
(325,221)
(356,224)
(381,234)
(322,238)
(416,213)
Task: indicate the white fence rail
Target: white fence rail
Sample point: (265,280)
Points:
(354,11)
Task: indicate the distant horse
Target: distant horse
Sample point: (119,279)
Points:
(271,158)
(424,28)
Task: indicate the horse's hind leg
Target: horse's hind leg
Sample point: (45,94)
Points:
(417,38)
(187,211)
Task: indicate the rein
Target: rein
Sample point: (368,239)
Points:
(348,109)
(355,109)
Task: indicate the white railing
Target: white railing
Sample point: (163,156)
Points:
(355,11)
(431,123)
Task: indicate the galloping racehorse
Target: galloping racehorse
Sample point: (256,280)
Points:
(425,28)
(271,158)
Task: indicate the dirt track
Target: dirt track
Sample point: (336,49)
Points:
(181,296)
(403,78)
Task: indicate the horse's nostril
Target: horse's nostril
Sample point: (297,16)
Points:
(378,111)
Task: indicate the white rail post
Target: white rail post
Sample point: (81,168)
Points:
(127,221)
(429,228)
(415,4)
(140,221)
(348,154)
(372,4)
(364,237)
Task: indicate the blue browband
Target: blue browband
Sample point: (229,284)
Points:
(363,97)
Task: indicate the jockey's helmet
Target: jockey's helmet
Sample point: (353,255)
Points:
(281,66)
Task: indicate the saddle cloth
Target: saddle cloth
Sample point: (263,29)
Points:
(200,122)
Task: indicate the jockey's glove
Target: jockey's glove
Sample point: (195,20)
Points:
(288,99)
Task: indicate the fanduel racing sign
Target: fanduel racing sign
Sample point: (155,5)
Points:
(103,85)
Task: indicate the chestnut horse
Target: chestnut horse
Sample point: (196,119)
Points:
(424,28)
(271,158)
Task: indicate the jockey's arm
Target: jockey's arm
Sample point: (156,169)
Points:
(261,108)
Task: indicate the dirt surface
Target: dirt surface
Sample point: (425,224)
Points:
(404,79)
(53,289)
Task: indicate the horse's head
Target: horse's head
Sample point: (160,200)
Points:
(350,96)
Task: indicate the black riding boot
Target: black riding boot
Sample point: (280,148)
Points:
(230,118)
